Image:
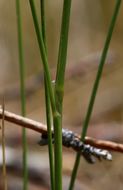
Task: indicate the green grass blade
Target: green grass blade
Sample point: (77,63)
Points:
(62,56)
(50,146)
(95,88)
(100,69)
(56,115)
(74,172)
(43,54)
(47,102)
(58,152)
(59,83)
(22,90)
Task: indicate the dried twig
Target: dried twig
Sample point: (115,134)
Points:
(3,148)
(108,145)
(24,122)
(41,128)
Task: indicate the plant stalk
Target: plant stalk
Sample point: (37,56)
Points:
(56,115)
(62,55)
(47,101)
(95,88)
(22,91)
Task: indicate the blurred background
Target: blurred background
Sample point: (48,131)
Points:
(88,28)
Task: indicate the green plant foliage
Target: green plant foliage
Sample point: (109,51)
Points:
(95,87)
(22,91)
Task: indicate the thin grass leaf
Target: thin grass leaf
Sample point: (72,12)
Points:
(22,91)
(47,101)
(3,148)
(43,54)
(95,88)
(62,55)
(56,115)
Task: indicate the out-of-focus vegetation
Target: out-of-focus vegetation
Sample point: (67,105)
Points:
(88,27)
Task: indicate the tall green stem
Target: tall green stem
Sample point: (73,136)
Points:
(59,83)
(95,88)
(56,115)
(22,91)
(62,56)
(47,101)
(43,55)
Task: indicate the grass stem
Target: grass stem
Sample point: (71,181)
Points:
(62,55)
(47,101)
(56,115)
(22,91)
(95,88)
(3,148)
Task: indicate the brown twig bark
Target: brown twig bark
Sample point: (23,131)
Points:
(24,122)
(41,128)
(108,145)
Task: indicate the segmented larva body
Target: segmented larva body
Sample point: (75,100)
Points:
(70,139)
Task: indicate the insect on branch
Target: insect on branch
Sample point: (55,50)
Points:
(70,139)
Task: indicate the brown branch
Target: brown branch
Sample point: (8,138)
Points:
(108,145)
(24,122)
(41,128)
